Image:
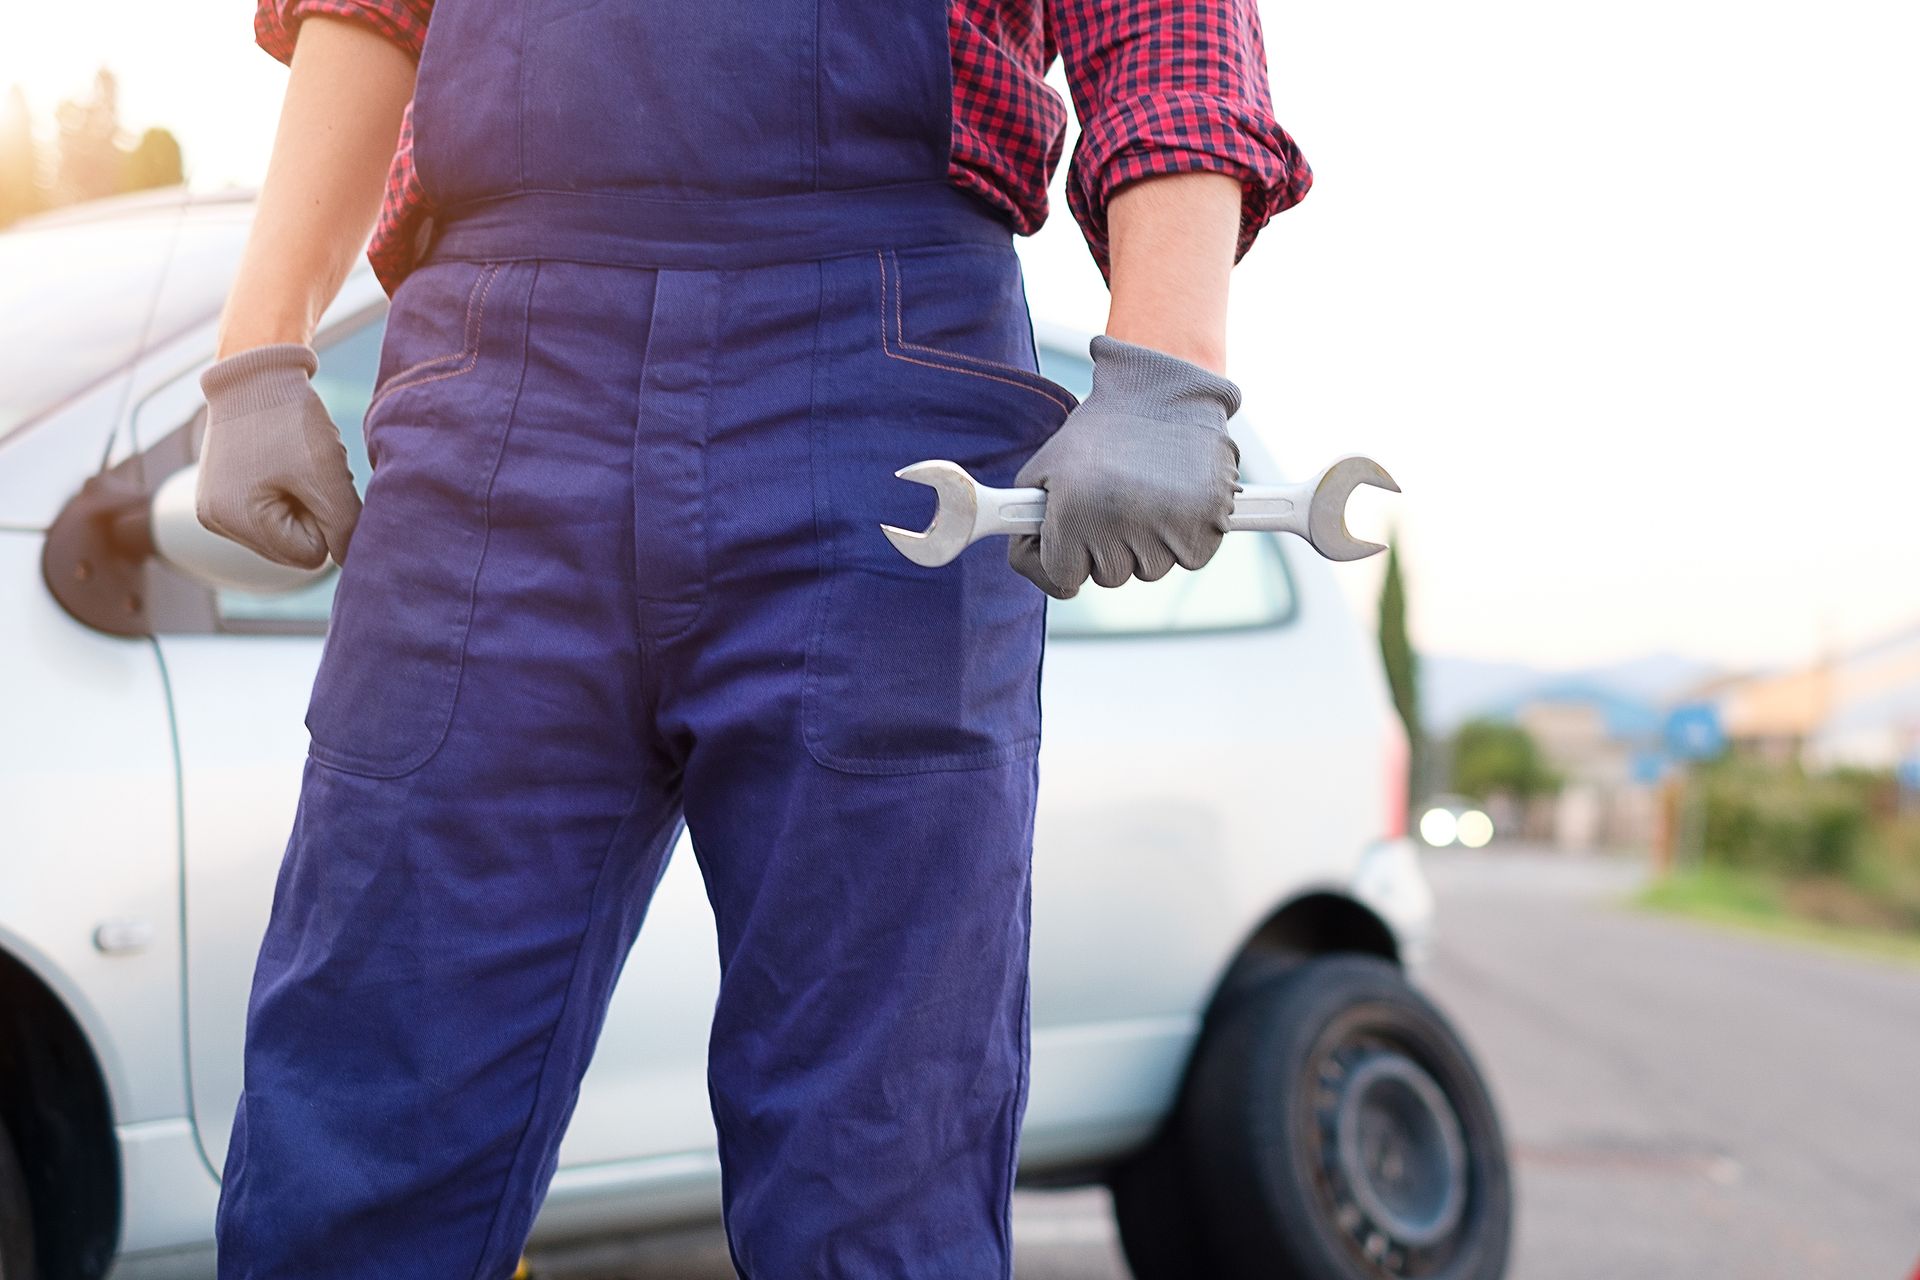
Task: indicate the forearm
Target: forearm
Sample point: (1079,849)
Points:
(338,128)
(1172,243)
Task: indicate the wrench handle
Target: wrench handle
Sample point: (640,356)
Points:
(1012,511)
(1273,507)
(1276,508)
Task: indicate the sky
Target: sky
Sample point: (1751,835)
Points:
(1626,297)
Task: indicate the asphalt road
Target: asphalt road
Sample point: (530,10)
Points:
(1682,1102)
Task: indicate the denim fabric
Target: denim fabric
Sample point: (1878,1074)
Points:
(726,102)
(620,562)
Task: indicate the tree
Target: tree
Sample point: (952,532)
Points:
(92,156)
(20,191)
(90,162)
(153,162)
(1402,663)
(1496,757)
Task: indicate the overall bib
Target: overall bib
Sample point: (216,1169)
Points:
(698,287)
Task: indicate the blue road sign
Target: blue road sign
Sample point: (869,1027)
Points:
(1694,731)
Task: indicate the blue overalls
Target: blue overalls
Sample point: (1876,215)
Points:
(698,288)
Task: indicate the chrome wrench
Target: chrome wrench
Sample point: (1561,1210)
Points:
(968,511)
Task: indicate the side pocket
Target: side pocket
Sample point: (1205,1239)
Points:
(389,673)
(908,669)
(412,357)
(936,316)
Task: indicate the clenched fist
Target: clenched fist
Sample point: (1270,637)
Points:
(273,471)
(1139,478)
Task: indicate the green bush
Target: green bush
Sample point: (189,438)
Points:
(1781,819)
(1494,756)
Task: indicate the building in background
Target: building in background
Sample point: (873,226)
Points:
(1605,733)
(1594,737)
(1872,717)
(1857,709)
(1773,714)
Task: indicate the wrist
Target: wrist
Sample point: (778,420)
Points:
(1172,242)
(271,305)
(239,335)
(1157,384)
(1206,349)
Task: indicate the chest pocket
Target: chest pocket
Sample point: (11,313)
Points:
(670,100)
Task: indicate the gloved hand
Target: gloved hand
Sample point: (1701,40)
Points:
(1139,478)
(273,471)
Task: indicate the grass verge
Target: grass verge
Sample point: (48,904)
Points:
(1761,904)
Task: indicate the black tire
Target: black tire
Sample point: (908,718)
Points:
(1158,1213)
(1335,1128)
(16,1216)
(1156,1203)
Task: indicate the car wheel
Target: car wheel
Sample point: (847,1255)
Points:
(1156,1205)
(1337,1129)
(16,1217)
(1157,1213)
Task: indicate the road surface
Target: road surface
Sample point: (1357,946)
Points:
(1683,1103)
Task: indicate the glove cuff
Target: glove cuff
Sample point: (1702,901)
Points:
(262,378)
(1154,384)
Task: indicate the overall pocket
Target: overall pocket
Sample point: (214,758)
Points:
(433,330)
(389,673)
(927,353)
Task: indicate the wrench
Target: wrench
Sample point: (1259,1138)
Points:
(968,511)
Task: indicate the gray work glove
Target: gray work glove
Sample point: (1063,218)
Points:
(273,472)
(1139,478)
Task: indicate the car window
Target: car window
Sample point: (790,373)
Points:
(349,363)
(1244,585)
(1072,370)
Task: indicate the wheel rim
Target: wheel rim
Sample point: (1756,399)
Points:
(1394,1172)
(1400,1150)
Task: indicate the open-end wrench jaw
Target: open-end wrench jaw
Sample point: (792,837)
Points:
(956,513)
(1327,513)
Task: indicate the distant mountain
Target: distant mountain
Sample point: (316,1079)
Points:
(1456,689)
(1657,677)
(1453,690)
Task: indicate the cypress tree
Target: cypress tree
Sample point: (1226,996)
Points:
(1403,666)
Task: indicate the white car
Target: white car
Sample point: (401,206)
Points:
(1225,897)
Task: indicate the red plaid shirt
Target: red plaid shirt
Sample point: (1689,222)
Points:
(1161,86)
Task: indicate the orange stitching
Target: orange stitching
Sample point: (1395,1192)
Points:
(472,326)
(466,332)
(900,338)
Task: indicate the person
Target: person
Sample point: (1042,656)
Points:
(675,291)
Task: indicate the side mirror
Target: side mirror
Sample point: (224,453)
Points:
(190,547)
(130,563)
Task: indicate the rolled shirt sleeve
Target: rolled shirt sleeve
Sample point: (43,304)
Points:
(276,23)
(1172,86)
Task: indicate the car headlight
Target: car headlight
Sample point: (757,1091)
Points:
(1474,829)
(1438,828)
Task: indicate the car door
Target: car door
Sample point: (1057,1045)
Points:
(239,692)
(1147,817)
(1144,809)
(1205,757)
